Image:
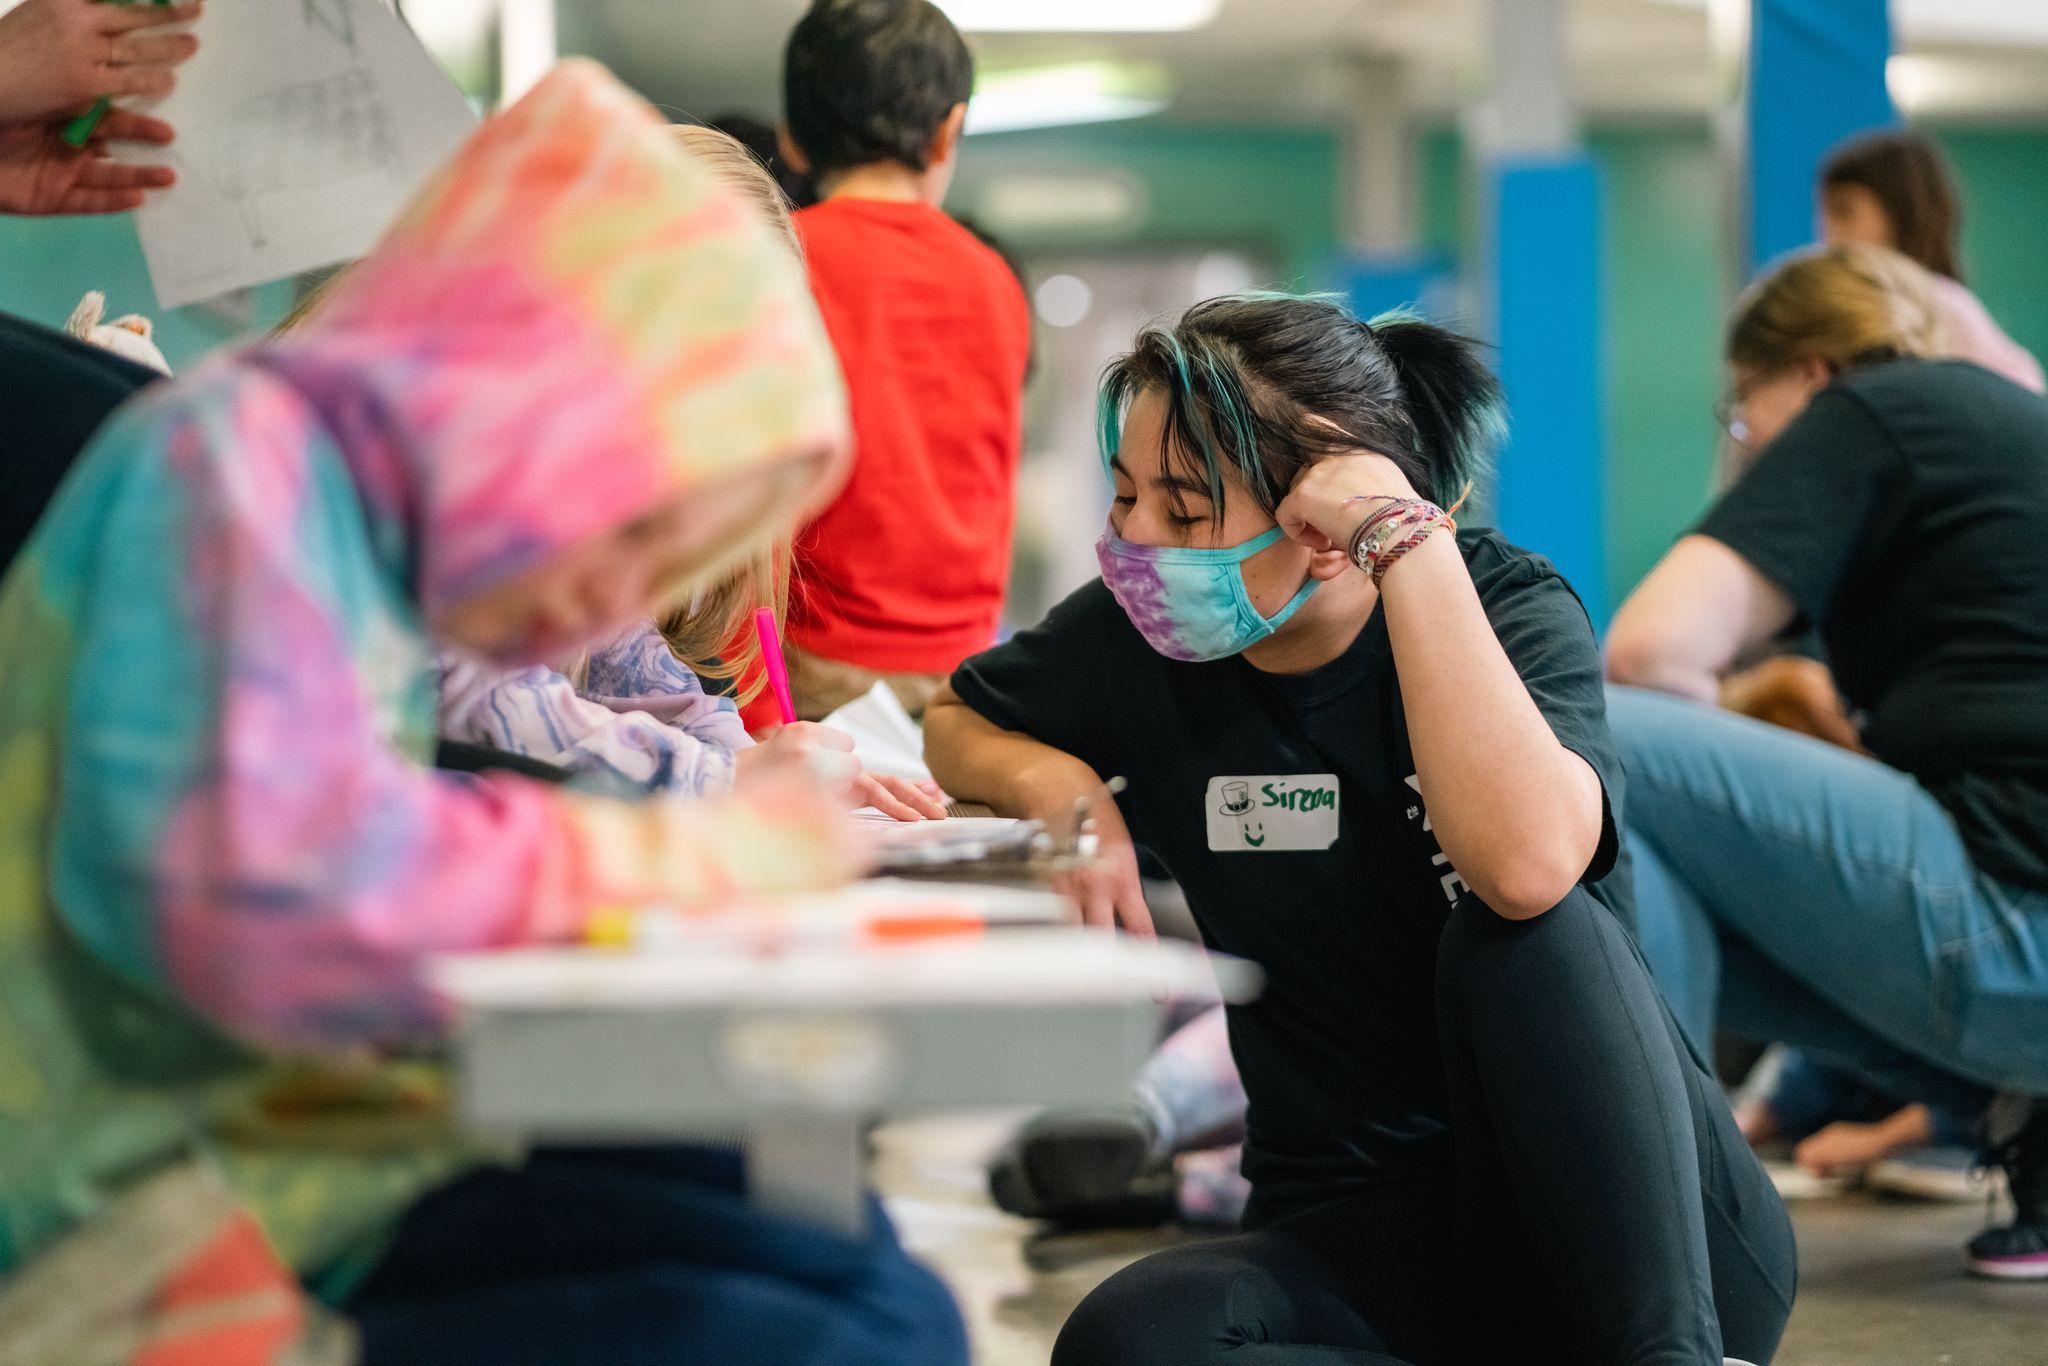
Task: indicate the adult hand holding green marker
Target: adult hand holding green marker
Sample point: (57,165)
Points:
(58,57)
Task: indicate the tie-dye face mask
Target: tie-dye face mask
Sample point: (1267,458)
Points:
(1191,604)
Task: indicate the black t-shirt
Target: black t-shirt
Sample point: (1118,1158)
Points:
(57,390)
(1286,808)
(1905,513)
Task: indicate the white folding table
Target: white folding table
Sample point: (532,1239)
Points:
(792,1054)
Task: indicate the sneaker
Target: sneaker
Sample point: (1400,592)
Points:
(1945,1173)
(2016,1133)
(1085,1169)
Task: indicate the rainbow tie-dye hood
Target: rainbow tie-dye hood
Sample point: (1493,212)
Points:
(574,324)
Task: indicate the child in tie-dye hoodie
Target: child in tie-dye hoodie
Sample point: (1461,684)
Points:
(633,716)
(575,380)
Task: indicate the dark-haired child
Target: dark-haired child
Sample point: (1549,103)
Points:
(1373,751)
(903,576)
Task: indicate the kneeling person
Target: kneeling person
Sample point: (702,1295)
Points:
(1373,750)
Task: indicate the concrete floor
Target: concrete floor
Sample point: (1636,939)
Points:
(1881,1281)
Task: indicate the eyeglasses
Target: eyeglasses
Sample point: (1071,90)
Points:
(1728,413)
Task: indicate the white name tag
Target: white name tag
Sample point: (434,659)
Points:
(1272,813)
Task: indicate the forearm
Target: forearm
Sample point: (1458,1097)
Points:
(1018,776)
(975,760)
(1641,654)
(775,835)
(538,712)
(1685,626)
(1673,676)
(1517,814)
(321,939)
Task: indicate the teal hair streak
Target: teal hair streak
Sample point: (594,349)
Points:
(1206,383)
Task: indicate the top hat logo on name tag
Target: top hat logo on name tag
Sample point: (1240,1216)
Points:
(1271,813)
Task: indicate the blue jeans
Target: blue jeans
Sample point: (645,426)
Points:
(1820,898)
(1810,1095)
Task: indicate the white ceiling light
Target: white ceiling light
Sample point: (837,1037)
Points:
(1080,16)
(1919,82)
(1027,203)
(1072,92)
(1064,300)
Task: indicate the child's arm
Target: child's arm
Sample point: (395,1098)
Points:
(235,824)
(295,905)
(639,672)
(537,712)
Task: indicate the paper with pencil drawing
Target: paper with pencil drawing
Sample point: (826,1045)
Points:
(302,125)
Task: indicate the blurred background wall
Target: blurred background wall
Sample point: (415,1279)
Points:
(1187,147)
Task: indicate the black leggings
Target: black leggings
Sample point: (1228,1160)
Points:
(1603,1211)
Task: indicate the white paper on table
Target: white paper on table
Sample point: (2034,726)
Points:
(885,739)
(302,127)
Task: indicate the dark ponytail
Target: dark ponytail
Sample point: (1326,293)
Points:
(1454,401)
(1266,384)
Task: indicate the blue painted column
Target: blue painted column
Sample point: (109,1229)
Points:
(1551,494)
(1814,74)
(1542,202)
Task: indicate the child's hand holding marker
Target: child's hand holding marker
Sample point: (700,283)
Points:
(828,752)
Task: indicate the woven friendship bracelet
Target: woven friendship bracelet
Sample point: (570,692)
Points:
(1382,524)
(1384,560)
(1386,526)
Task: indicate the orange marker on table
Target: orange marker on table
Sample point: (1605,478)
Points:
(905,929)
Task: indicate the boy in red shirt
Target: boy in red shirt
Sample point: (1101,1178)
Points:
(903,576)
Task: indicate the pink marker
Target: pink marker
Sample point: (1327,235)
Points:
(771,659)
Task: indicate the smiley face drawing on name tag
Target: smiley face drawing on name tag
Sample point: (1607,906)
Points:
(1271,813)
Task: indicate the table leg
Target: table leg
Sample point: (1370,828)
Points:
(808,1164)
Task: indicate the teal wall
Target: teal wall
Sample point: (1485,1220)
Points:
(1664,292)
(47,265)
(2004,175)
(1276,190)
(1270,191)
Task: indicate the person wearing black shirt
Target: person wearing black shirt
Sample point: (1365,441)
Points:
(1888,910)
(1373,752)
(57,390)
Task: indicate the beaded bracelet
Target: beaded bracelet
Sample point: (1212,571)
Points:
(1378,522)
(1396,528)
(1384,561)
(1387,525)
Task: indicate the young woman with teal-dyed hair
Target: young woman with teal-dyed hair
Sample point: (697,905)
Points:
(1373,751)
